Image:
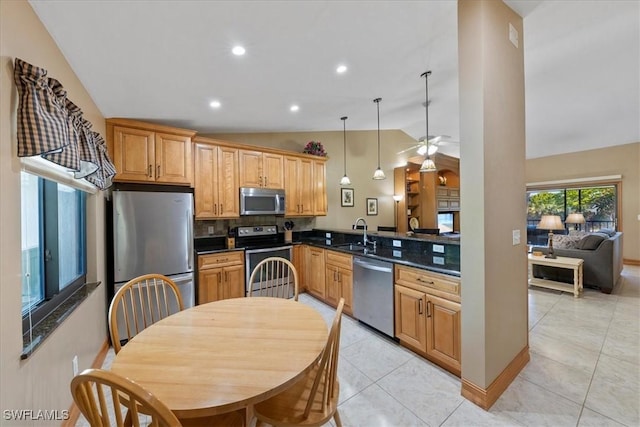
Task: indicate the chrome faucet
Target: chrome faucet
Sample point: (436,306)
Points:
(364,236)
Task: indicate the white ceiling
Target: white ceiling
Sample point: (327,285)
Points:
(164,61)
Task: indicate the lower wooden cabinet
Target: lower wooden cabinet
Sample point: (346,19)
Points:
(315,272)
(427,315)
(220,276)
(339,279)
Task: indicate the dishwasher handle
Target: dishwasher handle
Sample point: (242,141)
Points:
(371,266)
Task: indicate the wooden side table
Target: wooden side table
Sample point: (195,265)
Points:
(574,264)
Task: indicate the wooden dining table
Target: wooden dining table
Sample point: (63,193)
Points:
(225,355)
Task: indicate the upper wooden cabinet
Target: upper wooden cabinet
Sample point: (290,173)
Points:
(143,152)
(259,169)
(216,182)
(305,186)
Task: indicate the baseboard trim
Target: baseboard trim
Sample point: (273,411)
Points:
(486,398)
(74,411)
(631,261)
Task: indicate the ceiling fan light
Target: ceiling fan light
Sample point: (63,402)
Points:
(422,150)
(379,174)
(432,149)
(345,180)
(428,166)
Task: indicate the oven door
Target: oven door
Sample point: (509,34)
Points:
(254,256)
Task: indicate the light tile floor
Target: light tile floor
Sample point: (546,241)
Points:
(584,369)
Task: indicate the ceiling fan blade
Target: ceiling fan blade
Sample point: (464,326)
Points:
(409,149)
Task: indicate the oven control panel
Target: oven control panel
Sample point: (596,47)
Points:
(261,230)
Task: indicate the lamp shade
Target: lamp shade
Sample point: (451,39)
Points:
(397,197)
(550,222)
(575,218)
(428,166)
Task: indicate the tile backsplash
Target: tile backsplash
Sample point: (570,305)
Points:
(220,226)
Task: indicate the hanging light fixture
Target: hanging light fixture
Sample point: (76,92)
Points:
(378,174)
(428,165)
(345,179)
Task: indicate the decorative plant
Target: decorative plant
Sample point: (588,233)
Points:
(315,148)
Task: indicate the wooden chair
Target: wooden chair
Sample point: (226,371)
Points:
(102,394)
(140,303)
(272,277)
(313,401)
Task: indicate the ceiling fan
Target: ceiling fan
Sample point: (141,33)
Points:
(434,142)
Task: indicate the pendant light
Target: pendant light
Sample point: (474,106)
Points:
(378,174)
(345,179)
(428,165)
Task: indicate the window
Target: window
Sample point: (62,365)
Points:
(53,245)
(598,204)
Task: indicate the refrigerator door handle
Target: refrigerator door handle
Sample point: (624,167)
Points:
(189,239)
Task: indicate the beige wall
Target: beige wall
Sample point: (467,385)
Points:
(492,184)
(362,160)
(42,380)
(619,160)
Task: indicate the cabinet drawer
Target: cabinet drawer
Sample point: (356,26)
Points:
(221,259)
(430,282)
(339,259)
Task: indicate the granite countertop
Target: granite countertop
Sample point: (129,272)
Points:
(450,239)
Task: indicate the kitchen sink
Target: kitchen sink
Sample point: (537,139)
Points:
(352,247)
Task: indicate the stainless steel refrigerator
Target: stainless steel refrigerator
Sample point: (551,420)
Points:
(153,233)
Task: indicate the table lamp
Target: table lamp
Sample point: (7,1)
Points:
(550,222)
(575,218)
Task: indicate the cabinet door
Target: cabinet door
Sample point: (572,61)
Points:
(250,168)
(305,177)
(272,167)
(291,187)
(319,188)
(210,285)
(234,286)
(443,331)
(228,188)
(332,288)
(134,154)
(173,159)
(205,191)
(316,273)
(345,278)
(410,306)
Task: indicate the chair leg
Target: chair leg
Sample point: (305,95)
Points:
(336,417)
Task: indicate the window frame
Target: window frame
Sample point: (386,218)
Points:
(53,297)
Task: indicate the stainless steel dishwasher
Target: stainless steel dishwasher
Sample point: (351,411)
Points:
(373,293)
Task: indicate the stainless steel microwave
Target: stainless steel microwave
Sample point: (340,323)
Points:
(261,201)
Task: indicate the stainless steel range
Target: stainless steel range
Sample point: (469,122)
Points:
(261,242)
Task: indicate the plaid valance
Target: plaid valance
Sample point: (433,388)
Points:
(51,126)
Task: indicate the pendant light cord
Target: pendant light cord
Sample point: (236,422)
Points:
(344,141)
(426,75)
(377,101)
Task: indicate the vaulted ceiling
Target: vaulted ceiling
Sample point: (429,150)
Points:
(166,61)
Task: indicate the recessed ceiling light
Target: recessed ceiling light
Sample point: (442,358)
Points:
(294,108)
(238,50)
(341,69)
(215,104)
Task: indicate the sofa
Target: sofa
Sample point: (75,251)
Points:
(601,252)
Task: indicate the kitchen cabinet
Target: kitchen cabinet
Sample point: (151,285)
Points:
(220,276)
(216,182)
(143,152)
(315,272)
(299,256)
(261,169)
(339,279)
(447,198)
(319,188)
(298,185)
(427,315)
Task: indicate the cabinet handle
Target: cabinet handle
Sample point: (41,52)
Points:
(215,209)
(150,171)
(428,308)
(260,180)
(158,174)
(221,209)
(419,306)
(420,279)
